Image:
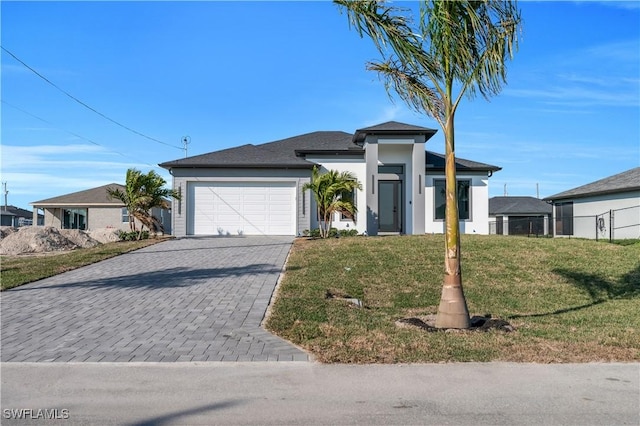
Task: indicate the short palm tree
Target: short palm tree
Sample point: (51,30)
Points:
(142,193)
(333,192)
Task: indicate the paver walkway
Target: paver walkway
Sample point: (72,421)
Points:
(190,299)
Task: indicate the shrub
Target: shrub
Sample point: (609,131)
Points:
(333,233)
(132,235)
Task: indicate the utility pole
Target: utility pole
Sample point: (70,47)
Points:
(4,184)
(537,190)
(505,189)
(186,140)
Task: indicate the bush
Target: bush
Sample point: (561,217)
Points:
(333,233)
(132,235)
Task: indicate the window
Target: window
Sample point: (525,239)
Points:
(396,169)
(125,215)
(464,199)
(74,219)
(350,197)
(564,218)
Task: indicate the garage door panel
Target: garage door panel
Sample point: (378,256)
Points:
(256,208)
(251,208)
(279,208)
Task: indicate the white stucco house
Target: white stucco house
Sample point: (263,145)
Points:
(91,209)
(257,189)
(606,208)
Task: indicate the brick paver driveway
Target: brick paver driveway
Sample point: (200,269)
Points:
(190,299)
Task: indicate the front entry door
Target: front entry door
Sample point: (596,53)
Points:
(390,206)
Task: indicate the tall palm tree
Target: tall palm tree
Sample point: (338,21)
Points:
(143,193)
(458,48)
(333,193)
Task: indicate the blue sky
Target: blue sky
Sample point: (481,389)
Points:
(227,74)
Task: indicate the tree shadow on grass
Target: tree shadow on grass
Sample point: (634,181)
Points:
(166,278)
(599,289)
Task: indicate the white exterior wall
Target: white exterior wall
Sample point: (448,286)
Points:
(479,221)
(358,167)
(586,209)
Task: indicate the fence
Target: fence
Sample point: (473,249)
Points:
(520,225)
(616,224)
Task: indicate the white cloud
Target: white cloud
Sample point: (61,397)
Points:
(71,157)
(15,150)
(388,113)
(578,96)
(622,4)
(68,168)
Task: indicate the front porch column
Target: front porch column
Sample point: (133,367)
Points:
(371,158)
(418,198)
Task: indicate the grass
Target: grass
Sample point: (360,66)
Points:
(23,269)
(570,300)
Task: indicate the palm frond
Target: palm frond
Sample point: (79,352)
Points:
(411,88)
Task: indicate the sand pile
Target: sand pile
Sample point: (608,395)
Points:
(42,239)
(105,235)
(7,230)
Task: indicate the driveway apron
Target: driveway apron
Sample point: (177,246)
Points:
(189,299)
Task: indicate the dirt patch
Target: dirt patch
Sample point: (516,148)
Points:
(45,239)
(478,323)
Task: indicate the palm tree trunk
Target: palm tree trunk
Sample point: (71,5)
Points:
(452,312)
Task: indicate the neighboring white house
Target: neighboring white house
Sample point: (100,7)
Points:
(607,208)
(257,189)
(519,215)
(91,209)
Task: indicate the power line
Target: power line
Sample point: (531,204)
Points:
(84,104)
(75,134)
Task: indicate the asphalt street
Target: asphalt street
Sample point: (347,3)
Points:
(303,393)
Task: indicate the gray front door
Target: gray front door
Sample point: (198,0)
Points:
(390,206)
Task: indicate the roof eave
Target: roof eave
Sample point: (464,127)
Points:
(467,169)
(41,204)
(350,152)
(590,194)
(360,135)
(237,166)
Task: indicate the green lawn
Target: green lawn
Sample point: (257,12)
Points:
(18,270)
(570,300)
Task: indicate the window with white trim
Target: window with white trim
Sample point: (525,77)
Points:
(351,197)
(125,215)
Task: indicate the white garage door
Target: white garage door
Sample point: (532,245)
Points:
(247,208)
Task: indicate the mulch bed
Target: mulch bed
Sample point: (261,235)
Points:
(478,323)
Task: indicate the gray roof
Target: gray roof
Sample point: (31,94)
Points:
(277,154)
(289,152)
(518,206)
(436,162)
(16,211)
(622,182)
(392,128)
(89,197)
